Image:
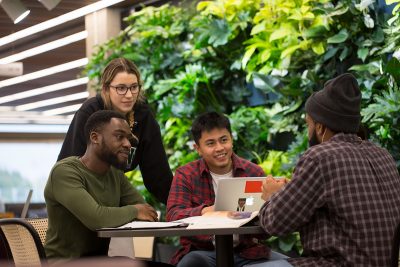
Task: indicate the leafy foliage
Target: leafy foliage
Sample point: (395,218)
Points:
(286,244)
(382,115)
(280,29)
(220,54)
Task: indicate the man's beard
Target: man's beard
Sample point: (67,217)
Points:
(313,141)
(111,158)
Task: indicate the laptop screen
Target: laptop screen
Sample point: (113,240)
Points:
(26,205)
(239,194)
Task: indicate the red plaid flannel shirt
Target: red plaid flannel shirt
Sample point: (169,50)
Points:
(192,190)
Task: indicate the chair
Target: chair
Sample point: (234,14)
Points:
(133,247)
(22,242)
(40,226)
(395,261)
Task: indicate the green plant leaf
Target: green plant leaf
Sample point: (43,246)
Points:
(316,31)
(388,49)
(345,53)
(330,53)
(393,68)
(372,67)
(203,5)
(247,56)
(368,21)
(395,17)
(395,9)
(339,37)
(362,53)
(339,10)
(378,36)
(290,50)
(318,48)
(220,32)
(293,106)
(265,55)
(321,20)
(286,243)
(265,83)
(284,31)
(258,28)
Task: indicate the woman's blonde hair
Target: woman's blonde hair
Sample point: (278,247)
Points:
(114,67)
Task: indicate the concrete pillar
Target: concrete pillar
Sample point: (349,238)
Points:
(101,26)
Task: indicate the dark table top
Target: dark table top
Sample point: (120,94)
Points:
(180,231)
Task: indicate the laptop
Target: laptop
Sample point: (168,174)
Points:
(239,194)
(26,205)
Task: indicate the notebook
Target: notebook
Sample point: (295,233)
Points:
(239,194)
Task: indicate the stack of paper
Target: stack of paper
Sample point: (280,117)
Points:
(148,225)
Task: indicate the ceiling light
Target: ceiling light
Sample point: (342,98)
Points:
(38,125)
(45,72)
(52,101)
(25,118)
(4,109)
(12,69)
(45,47)
(58,20)
(43,90)
(63,110)
(14,9)
(50,4)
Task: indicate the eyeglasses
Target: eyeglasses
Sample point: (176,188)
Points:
(122,89)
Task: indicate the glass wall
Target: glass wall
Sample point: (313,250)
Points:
(25,166)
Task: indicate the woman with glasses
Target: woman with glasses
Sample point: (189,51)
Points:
(122,91)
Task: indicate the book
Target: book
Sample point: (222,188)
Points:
(219,219)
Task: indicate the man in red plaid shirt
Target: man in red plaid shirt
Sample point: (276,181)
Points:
(193,187)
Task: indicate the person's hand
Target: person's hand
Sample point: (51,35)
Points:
(146,213)
(207,209)
(271,185)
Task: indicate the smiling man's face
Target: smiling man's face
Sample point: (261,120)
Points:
(215,147)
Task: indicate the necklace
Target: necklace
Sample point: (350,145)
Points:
(131,120)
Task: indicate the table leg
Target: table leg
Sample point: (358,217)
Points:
(224,250)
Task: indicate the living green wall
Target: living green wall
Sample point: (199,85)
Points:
(257,61)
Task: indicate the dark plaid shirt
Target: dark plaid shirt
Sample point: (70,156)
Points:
(344,199)
(192,190)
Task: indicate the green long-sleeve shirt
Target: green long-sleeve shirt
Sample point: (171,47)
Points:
(80,201)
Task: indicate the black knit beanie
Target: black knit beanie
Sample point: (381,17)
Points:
(337,105)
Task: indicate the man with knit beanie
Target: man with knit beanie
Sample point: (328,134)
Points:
(343,197)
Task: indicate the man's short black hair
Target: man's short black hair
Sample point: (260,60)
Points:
(98,119)
(208,122)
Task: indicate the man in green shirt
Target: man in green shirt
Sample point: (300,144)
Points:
(87,193)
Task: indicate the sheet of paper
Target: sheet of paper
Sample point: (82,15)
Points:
(216,219)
